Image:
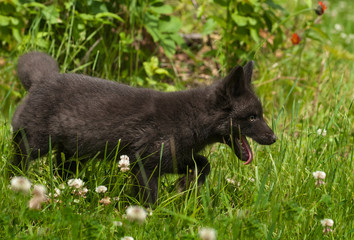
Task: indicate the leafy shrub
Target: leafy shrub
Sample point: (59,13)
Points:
(243,26)
(109,36)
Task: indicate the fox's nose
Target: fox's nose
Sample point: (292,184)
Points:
(274,138)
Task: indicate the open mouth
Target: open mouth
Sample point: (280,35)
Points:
(243,150)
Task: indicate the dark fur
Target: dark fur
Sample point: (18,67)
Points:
(84,115)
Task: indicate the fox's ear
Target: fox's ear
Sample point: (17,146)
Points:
(235,83)
(248,69)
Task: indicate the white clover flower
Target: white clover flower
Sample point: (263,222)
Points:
(57,193)
(117,223)
(338,27)
(319,182)
(39,197)
(136,213)
(76,183)
(124,163)
(319,175)
(207,234)
(233,182)
(251,179)
(127,238)
(36,202)
(20,184)
(62,186)
(78,190)
(39,190)
(149,211)
(343,35)
(81,192)
(101,189)
(230,180)
(322,132)
(327,222)
(105,201)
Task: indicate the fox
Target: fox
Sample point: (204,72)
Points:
(160,132)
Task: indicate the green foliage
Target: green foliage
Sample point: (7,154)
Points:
(163,28)
(85,30)
(155,74)
(242,24)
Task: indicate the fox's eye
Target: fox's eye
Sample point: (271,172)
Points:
(251,118)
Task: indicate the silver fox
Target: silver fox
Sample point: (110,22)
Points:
(85,116)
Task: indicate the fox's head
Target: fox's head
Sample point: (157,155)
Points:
(245,114)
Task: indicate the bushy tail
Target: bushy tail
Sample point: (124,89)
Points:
(34,67)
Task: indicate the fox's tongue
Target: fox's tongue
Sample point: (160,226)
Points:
(245,146)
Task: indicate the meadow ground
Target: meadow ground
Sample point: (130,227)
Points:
(307,95)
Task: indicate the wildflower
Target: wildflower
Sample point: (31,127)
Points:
(127,238)
(327,224)
(105,200)
(117,223)
(136,213)
(62,186)
(76,200)
(320,9)
(20,184)
(235,183)
(124,163)
(81,192)
(322,132)
(57,192)
(295,39)
(75,183)
(39,190)
(318,183)
(207,234)
(101,189)
(149,210)
(39,196)
(343,35)
(230,180)
(36,202)
(78,184)
(338,27)
(319,176)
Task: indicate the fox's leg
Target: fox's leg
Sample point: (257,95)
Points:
(146,186)
(190,171)
(65,162)
(28,148)
(20,145)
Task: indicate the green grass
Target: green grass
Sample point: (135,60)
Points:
(309,87)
